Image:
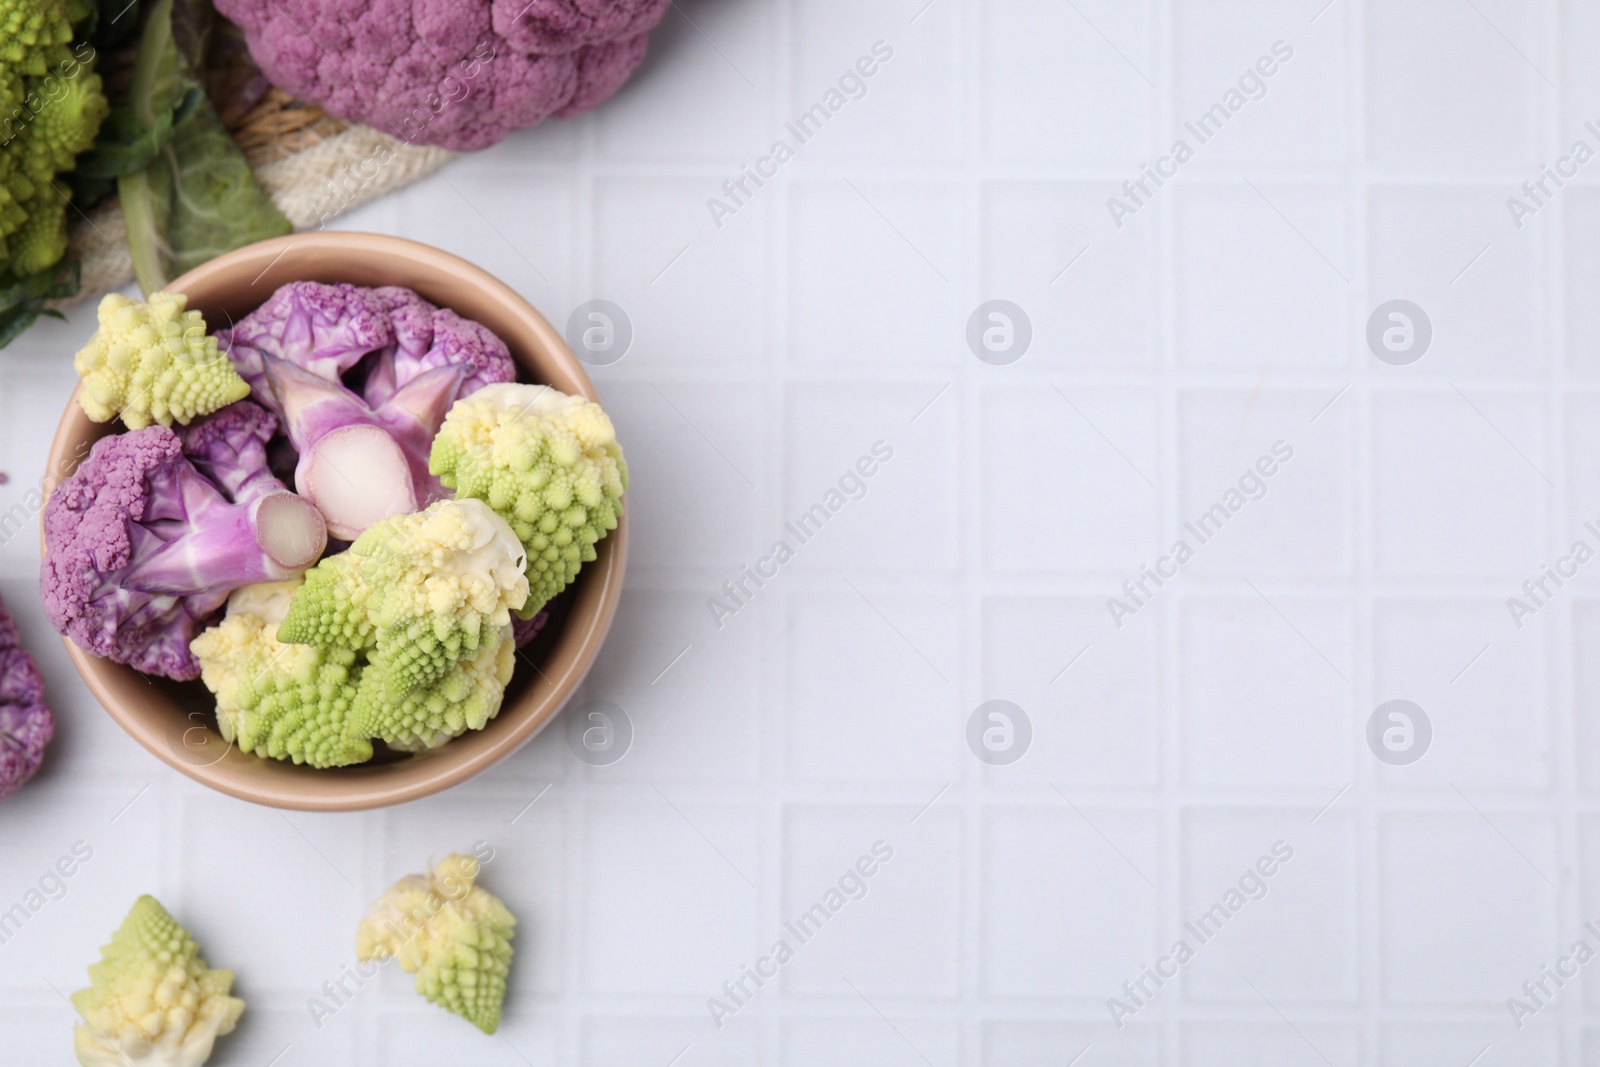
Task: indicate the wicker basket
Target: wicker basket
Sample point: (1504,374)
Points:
(304,158)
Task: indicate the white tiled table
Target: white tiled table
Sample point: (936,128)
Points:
(829,314)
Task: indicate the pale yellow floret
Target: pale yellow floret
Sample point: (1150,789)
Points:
(152,1001)
(247,634)
(457,559)
(547,463)
(152,361)
(442,582)
(455,936)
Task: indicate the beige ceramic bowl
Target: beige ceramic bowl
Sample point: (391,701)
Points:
(175,720)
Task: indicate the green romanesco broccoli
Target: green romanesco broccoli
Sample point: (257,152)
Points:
(151,361)
(152,1001)
(290,702)
(546,462)
(426,589)
(51,108)
(39,240)
(330,610)
(465,698)
(32,33)
(453,935)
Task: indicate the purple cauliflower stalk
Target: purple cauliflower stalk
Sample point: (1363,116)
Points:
(230,448)
(456,73)
(362,456)
(356,463)
(142,547)
(26,724)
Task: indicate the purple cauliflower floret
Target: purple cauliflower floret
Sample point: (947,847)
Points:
(230,448)
(26,724)
(362,456)
(456,73)
(556,27)
(324,328)
(141,548)
(427,338)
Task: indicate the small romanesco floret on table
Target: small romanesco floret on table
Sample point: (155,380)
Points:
(426,589)
(453,935)
(546,462)
(152,1001)
(283,701)
(151,361)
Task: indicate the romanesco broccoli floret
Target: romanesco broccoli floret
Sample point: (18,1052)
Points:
(152,1001)
(53,107)
(283,701)
(453,935)
(34,34)
(330,608)
(11,92)
(40,238)
(428,589)
(465,698)
(546,462)
(151,361)
(65,125)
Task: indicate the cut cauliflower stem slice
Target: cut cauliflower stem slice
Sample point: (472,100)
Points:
(151,361)
(546,462)
(152,1001)
(284,701)
(428,589)
(453,935)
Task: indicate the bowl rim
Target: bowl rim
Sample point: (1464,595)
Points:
(598,588)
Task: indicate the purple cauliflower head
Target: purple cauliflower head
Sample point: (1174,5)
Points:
(456,73)
(26,724)
(141,548)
